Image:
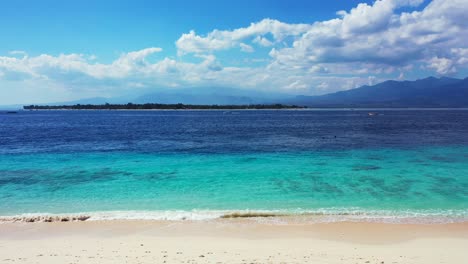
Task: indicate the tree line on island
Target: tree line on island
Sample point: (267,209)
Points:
(153,106)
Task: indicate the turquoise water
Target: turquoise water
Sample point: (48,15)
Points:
(403,181)
(202,165)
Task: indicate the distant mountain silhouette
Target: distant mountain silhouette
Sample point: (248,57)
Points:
(428,92)
(209,95)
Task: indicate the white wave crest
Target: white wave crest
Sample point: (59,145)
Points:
(323,215)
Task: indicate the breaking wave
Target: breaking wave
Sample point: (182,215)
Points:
(326,215)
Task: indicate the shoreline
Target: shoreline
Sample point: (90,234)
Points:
(255,216)
(231,241)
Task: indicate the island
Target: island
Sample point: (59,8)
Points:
(155,106)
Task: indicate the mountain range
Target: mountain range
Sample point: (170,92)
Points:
(210,95)
(428,92)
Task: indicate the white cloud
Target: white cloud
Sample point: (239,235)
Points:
(460,56)
(246,48)
(18,52)
(376,34)
(318,69)
(442,65)
(263,41)
(225,39)
(323,86)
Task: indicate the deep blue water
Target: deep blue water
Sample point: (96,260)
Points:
(399,162)
(221,132)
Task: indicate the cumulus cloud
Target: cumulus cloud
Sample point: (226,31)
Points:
(49,67)
(442,65)
(246,48)
(262,41)
(377,35)
(225,39)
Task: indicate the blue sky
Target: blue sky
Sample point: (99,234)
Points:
(67,50)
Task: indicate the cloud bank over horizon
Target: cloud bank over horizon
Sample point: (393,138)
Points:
(364,45)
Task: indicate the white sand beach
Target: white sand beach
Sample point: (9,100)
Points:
(231,241)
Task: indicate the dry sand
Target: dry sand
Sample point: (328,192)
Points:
(231,241)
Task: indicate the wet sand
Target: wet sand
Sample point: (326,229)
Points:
(231,241)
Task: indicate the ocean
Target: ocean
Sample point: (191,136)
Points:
(318,165)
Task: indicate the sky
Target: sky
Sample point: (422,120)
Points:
(54,51)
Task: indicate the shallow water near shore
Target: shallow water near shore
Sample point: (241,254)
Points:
(210,164)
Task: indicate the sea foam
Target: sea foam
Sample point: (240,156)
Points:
(326,215)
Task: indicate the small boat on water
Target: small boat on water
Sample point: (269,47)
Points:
(372,114)
(11,112)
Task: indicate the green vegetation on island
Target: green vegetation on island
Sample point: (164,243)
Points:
(154,106)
